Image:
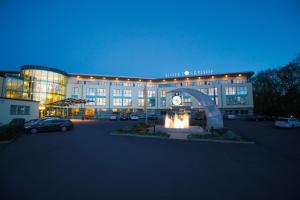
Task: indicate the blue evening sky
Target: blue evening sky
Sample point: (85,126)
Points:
(149,38)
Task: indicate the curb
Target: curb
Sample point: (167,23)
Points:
(142,136)
(221,141)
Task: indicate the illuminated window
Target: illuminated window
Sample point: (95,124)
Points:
(100,101)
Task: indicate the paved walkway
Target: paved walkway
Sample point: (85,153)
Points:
(178,136)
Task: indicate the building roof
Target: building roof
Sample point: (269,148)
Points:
(4,72)
(24,67)
(247,74)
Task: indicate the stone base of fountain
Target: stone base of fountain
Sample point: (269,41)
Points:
(190,130)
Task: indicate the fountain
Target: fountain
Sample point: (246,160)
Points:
(179,123)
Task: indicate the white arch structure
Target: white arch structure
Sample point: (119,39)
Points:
(213,114)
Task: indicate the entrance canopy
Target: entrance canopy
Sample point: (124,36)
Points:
(69,102)
(213,114)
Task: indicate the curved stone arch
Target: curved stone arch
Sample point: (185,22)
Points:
(213,114)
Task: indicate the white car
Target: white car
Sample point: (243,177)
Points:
(133,117)
(286,122)
(229,116)
(113,117)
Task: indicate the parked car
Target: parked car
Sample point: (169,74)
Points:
(124,117)
(113,117)
(287,122)
(10,130)
(229,116)
(153,117)
(48,125)
(52,117)
(133,117)
(33,121)
(256,118)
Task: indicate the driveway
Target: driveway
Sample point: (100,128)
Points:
(88,163)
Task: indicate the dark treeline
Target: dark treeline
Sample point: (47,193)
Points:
(277,91)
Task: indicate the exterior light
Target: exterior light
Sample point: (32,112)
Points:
(240,74)
(226,76)
(91,77)
(140,80)
(164,80)
(150,80)
(212,76)
(199,77)
(104,78)
(128,79)
(78,76)
(175,79)
(117,79)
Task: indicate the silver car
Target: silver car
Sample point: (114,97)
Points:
(287,122)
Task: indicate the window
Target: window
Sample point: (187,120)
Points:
(140,102)
(91,99)
(241,90)
(230,90)
(127,93)
(213,91)
(236,100)
(239,81)
(163,93)
(90,91)
(117,93)
(163,102)
(75,91)
(19,110)
(101,92)
(128,84)
(117,84)
(127,102)
(100,101)
(141,94)
(151,93)
(117,102)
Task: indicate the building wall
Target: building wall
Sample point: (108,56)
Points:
(6,110)
(111,85)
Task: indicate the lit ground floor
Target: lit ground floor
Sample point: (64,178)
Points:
(100,113)
(89,163)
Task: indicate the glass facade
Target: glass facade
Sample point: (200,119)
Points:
(14,87)
(44,85)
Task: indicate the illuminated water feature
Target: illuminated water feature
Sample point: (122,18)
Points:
(177,121)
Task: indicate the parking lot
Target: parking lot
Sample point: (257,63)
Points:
(89,163)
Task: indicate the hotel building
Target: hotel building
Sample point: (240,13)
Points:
(232,92)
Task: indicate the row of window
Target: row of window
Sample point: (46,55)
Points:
(177,84)
(234,90)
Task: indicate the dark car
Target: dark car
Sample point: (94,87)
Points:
(49,125)
(11,130)
(30,122)
(124,117)
(256,118)
(153,117)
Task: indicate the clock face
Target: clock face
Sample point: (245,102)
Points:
(176,100)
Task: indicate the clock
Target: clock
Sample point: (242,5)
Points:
(176,100)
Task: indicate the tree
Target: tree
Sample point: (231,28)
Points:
(277,91)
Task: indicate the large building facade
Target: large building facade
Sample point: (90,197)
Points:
(232,92)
